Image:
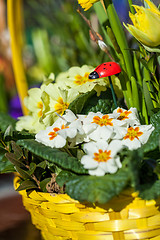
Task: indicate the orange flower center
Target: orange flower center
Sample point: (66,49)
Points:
(104,121)
(79,80)
(123,115)
(102,156)
(52,135)
(55,130)
(61,106)
(40,106)
(133,133)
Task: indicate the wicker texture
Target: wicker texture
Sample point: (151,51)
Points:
(126,217)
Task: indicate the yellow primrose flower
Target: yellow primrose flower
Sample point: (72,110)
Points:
(86,4)
(30,123)
(56,100)
(78,78)
(146,25)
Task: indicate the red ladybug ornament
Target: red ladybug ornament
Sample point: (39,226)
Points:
(105,70)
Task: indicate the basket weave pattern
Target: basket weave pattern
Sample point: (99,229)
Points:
(125,217)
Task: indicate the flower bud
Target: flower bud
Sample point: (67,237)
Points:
(146,25)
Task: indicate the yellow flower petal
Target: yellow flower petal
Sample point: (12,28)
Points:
(146,25)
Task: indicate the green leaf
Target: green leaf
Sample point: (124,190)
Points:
(62,159)
(13,159)
(17,150)
(135,93)
(97,189)
(63,177)
(43,184)
(77,105)
(32,168)
(5,165)
(104,103)
(42,164)
(27,185)
(151,64)
(150,191)
(148,98)
(5,121)
(154,140)
(134,159)
(8,132)
(24,174)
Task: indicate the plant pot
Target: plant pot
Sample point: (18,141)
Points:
(125,217)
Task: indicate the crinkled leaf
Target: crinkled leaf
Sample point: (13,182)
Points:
(5,121)
(77,105)
(134,159)
(27,185)
(63,177)
(104,103)
(150,191)
(62,159)
(154,140)
(97,189)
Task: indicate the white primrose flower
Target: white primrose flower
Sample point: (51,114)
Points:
(127,117)
(74,125)
(137,136)
(67,126)
(99,126)
(102,157)
(51,137)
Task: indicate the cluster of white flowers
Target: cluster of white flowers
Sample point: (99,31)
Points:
(101,136)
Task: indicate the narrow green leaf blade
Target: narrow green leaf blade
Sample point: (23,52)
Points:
(148,98)
(27,185)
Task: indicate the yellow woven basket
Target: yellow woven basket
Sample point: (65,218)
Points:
(125,217)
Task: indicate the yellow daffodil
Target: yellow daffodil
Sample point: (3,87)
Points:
(86,4)
(146,25)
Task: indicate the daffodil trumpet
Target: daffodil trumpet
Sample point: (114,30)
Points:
(146,26)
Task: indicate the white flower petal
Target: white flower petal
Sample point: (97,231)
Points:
(97,172)
(134,144)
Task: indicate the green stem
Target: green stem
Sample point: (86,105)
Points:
(113,93)
(103,19)
(120,36)
(137,69)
